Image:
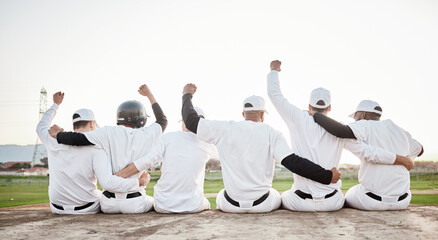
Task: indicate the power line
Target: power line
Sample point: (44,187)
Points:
(18,103)
(11,124)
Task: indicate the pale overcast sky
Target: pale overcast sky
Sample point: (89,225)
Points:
(100,52)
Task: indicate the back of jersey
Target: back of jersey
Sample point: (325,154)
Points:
(72,179)
(309,140)
(385,180)
(247,151)
(124,145)
(181,185)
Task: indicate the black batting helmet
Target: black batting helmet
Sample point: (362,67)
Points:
(132,113)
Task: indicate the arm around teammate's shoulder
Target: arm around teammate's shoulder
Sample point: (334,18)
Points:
(73,139)
(333,127)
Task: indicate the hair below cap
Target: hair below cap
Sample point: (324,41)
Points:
(368,106)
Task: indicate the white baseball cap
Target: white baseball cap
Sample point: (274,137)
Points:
(84,115)
(367,106)
(254,103)
(320,98)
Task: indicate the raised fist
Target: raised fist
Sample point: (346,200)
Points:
(275,65)
(189,88)
(58,97)
(144,90)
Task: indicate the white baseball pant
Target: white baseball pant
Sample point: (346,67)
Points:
(356,198)
(272,202)
(205,206)
(95,208)
(290,200)
(121,204)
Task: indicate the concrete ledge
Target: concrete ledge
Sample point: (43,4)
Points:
(417,222)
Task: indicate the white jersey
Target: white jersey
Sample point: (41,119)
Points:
(73,170)
(311,141)
(385,180)
(123,145)
(181,185)
(247,151)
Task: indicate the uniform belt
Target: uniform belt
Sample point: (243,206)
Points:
(379,198)
(304,195)
(76,208)
(129,195)
(255,203)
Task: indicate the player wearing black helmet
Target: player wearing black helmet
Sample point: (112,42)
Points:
(132,113)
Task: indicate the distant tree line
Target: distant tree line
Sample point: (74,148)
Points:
(44,164)
(20,165)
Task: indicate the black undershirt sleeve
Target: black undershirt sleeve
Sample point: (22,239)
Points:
(334,127)
(161,119)
(73,139)
(421,152)
(190,117)
(307,169)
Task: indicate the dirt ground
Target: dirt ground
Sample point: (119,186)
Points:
(36,222)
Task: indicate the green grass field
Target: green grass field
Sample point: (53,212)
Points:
(16,191)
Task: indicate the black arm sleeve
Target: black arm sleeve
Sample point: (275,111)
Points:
(159,116)
(73,138)
(190,117)
(421,152)
(307,169)
(333,127)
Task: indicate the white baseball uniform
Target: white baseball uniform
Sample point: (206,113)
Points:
(123,145)
(247,151)
(180,188)
(311,141)
(389,182)
(73,171)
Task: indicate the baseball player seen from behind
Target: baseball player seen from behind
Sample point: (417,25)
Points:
(311,141)
(123,144)
(247,150)
(73,170)
(381,187)
(180,188)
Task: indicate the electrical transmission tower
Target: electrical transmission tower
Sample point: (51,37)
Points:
(38,150)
